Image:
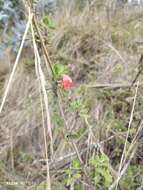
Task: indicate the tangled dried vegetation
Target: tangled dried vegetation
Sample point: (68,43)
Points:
(97,126)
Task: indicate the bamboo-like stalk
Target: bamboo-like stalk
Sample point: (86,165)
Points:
(123,166)
(41,78)
(113,86)
(17,60)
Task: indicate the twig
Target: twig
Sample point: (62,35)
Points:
(41,78)
(129,126)
(43,45)
(16,61)
(140,70)
(116,51)
(122,172)
(11,149)
(134,141)
(113,86)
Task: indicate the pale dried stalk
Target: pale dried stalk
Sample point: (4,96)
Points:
(113,86)
(114,185)
(134,141)
(11,149)
(129,126)
(16,61)
(41,79)
(116,51)
(122,161)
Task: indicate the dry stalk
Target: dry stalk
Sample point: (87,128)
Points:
(41,79)
(120,170)
(11,149)
(113,86)
(16,61)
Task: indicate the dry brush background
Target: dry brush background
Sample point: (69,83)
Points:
(96,127)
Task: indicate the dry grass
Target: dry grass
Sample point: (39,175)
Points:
(97,51)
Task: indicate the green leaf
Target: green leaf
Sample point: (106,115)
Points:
(25,157)
(59,70)
(79,106)
(69,181)
(102,175)
(48,23)
(97,179)
(76,164)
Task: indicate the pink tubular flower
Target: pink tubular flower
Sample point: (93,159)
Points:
(67,82)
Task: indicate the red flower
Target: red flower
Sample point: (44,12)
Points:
(67,82)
